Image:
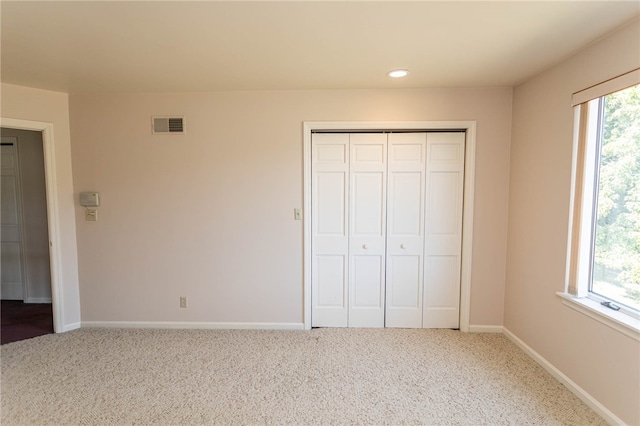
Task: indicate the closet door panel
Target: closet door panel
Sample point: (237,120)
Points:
(367,280)
(331,280)
(368,212)
(406,273)
(329,230)
(442,269)
(405,233)
(443,229)
(367,229)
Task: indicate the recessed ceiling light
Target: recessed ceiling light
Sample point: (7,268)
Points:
(397,73)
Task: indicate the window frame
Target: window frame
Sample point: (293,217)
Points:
(584,192)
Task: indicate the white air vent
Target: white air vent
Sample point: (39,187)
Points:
(173,125)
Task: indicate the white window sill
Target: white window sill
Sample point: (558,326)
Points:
(619,321)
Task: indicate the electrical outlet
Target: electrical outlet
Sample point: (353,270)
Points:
(183,301)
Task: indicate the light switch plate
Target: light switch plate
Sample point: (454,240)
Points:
(297,214)
(91,215)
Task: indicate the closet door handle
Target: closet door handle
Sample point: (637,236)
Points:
(402,246)
(364,246)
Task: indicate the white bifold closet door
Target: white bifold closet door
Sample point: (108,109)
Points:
(386,229)
(367,229)
(329,230)
(405,237)
(443,230)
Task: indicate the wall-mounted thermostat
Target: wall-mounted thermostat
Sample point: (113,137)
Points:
(89,199)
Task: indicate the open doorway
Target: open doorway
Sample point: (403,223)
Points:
(25,278)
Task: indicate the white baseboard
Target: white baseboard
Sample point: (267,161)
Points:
(485,329)
(70,327)
(569,384)
(37,300)
(194,325)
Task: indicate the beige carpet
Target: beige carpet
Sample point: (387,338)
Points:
(324,376)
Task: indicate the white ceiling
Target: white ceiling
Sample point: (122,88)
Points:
(238,45)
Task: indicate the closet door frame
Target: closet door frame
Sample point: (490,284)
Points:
(469,127)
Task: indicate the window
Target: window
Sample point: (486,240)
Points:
(615,271)
(604,248)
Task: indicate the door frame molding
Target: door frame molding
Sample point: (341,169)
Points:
(53,215)
(468,198)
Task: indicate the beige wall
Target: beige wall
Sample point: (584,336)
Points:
(24,103)
(601,360)
(209,215)
(34,213)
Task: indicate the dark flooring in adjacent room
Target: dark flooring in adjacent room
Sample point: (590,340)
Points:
(20,321)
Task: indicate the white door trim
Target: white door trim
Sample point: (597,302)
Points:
(55,256)
(467,215)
